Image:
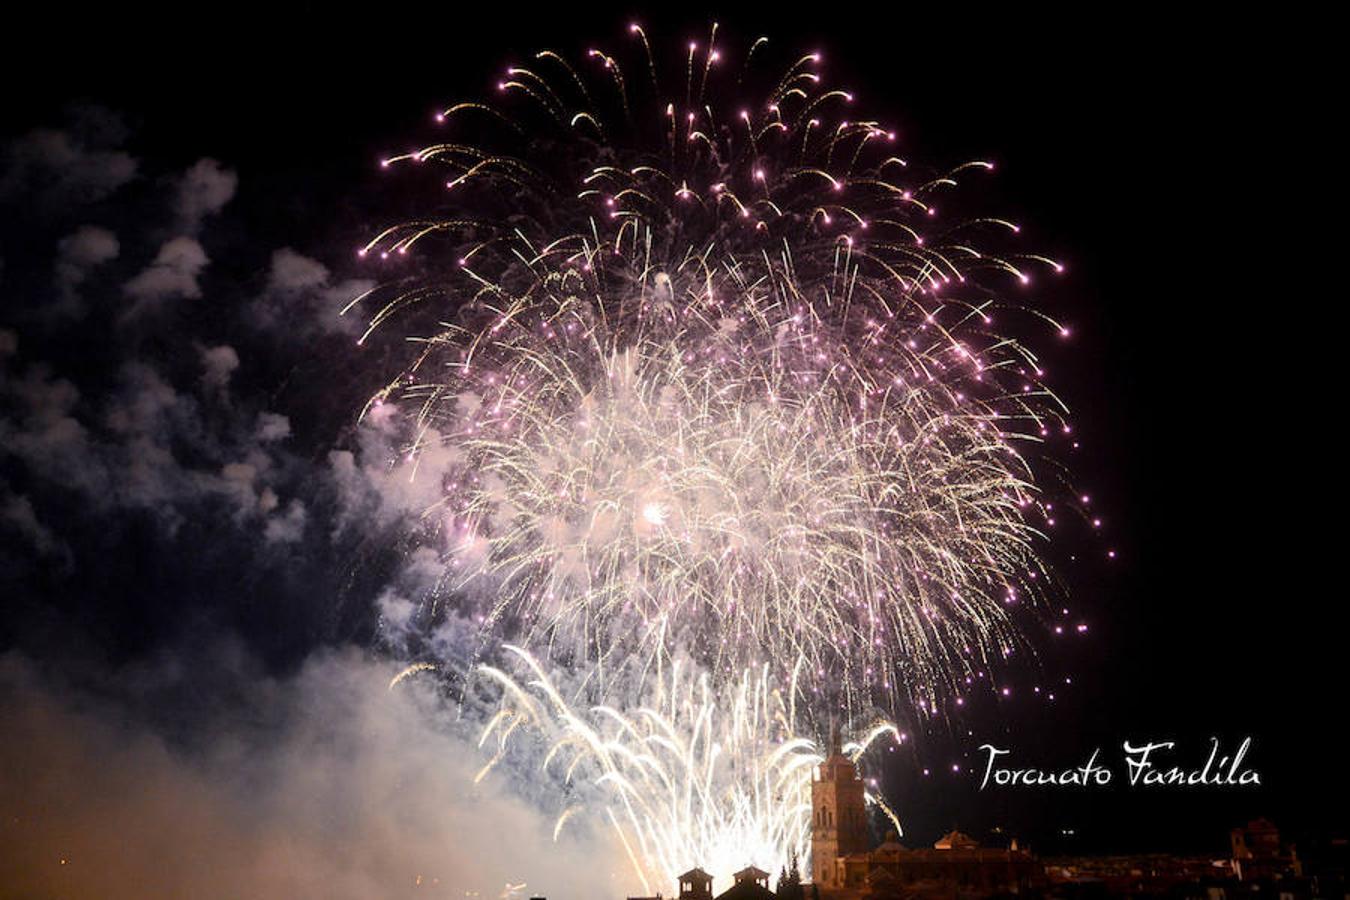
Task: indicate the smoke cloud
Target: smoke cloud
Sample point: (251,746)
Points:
(326,783)
(195,537)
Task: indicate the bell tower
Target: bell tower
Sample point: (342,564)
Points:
(839,821)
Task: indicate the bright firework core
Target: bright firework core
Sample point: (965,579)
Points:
(655,513)
(709,375)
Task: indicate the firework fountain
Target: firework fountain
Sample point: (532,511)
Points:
(714,374)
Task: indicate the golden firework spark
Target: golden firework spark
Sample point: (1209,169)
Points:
(690,775)
(710,370)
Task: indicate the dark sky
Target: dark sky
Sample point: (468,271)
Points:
(1171,160)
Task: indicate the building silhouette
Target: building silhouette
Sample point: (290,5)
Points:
(958,867)
(696,884)
(1258,853)
(749,883)
(838,814)
(846,866)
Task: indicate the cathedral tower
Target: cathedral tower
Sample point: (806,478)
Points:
(839,822)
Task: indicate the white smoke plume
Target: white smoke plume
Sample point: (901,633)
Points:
(324,784)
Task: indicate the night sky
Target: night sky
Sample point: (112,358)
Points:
(180,196)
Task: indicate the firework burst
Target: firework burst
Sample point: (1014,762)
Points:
(707,368)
